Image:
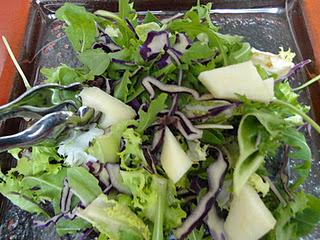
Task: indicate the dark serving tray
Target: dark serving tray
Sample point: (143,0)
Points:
(266,24)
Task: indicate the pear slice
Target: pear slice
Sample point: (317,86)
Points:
(243,79)
(174,160)
(112,108)
(248,218)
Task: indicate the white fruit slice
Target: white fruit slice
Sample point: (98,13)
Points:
(242,78)
(174,160)
(248,218)
(113,109)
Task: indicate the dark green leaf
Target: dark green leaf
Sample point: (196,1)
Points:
(121,91)
(213,137)
(198,50)
(150,17)
(147,118)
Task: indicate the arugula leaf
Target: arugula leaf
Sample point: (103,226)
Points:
(96,60)
(150,17)
(193,29)
(84,185)
(147,118)
(300,217)
(212,137)
(301,151)
(81,29)
(121,91)
(198,50)
(115,220)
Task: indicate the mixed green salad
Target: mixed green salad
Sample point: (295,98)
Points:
(194,135)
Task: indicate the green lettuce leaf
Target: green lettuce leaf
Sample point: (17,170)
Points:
(68,226)
(106,148)
(81,28)
(115,220)
(84,185)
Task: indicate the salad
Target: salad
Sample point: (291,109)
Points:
(192,135)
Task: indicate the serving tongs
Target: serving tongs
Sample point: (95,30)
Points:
(54,111)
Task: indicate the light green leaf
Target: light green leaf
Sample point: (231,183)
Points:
(115,220)
(84,185)
(81,29)
(96,60)
(67,226)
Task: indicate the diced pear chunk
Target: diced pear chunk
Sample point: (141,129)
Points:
(248,218)
(242,79)
(112,108)
(174,160)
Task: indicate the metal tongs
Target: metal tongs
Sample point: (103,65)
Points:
(54,110)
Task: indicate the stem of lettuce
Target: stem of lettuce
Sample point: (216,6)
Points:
(311,81)
(301,113)
(161,207)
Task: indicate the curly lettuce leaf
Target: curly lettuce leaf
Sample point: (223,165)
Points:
(132,156)
(115,220)
(34,179)
(37,161)
(145,189)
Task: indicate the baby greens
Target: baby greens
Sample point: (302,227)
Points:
(110,179)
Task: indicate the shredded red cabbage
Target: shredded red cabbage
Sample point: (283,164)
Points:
(155,43)
(216,173)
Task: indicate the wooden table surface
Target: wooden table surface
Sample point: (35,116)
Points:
(14,16)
